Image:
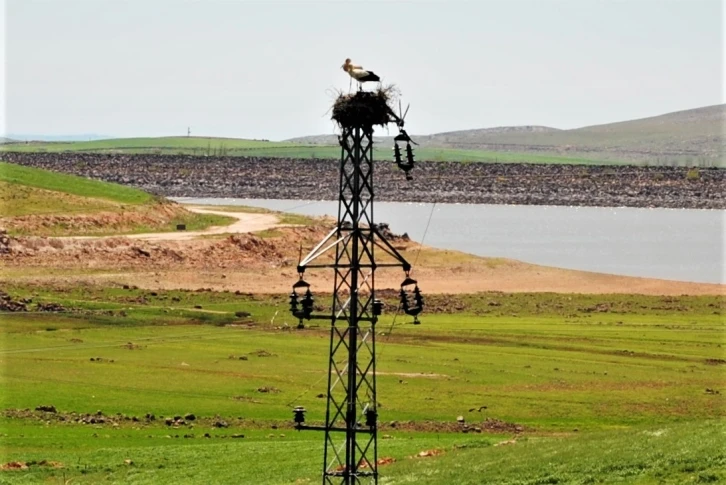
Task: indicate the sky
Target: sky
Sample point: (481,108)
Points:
(270,69)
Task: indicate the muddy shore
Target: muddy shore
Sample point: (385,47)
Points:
(444,182)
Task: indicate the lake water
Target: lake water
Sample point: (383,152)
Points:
(674,244)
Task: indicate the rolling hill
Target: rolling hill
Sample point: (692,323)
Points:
(236,147)
(45,203)
(690,136)
(693,137)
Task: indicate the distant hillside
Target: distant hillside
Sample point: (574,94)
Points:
(167,144)
(439,140)
(59,138)
(691,136)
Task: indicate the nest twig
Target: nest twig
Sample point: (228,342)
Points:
(365,108)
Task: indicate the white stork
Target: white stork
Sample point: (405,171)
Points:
(359,74)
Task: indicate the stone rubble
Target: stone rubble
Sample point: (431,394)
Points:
(442,182)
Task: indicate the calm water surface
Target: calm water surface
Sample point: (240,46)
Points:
(675,244)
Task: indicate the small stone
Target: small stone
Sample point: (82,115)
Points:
(47,409)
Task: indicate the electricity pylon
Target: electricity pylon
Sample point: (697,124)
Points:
(351,417)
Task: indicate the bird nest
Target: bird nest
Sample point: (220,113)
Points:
(364,108)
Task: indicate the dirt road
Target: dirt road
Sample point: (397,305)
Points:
(246,222)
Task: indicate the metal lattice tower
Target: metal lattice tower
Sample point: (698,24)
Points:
(351,423)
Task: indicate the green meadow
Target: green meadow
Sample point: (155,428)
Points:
(28,191)
(604,388)
(201,146)
(17,175)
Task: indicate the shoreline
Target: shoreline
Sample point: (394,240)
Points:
(242,261)
(203,200)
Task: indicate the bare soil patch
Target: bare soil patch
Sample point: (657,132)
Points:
(253,264)
(114,218)
(245,223)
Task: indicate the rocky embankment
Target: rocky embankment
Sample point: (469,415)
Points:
(455,182)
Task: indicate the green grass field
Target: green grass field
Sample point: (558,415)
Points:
(670,454)
(27,191)
(610,389)
(238,147)
(11,173)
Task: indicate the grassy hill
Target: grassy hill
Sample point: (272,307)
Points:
(40,202)
(693,136)
(174,144)
(16,175)
(287,149)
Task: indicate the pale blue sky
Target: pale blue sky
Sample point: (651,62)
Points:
(266,69)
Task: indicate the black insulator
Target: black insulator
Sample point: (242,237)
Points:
(399,160)
(371,417)
(409,154)
(293,302)
(397,154)
(417,297)
(301,283)
(299,414)
(402,136)
(377,307)
(307,303)
(412,311)
(408,281)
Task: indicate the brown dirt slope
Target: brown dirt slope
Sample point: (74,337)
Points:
(250,263)
(115,218)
